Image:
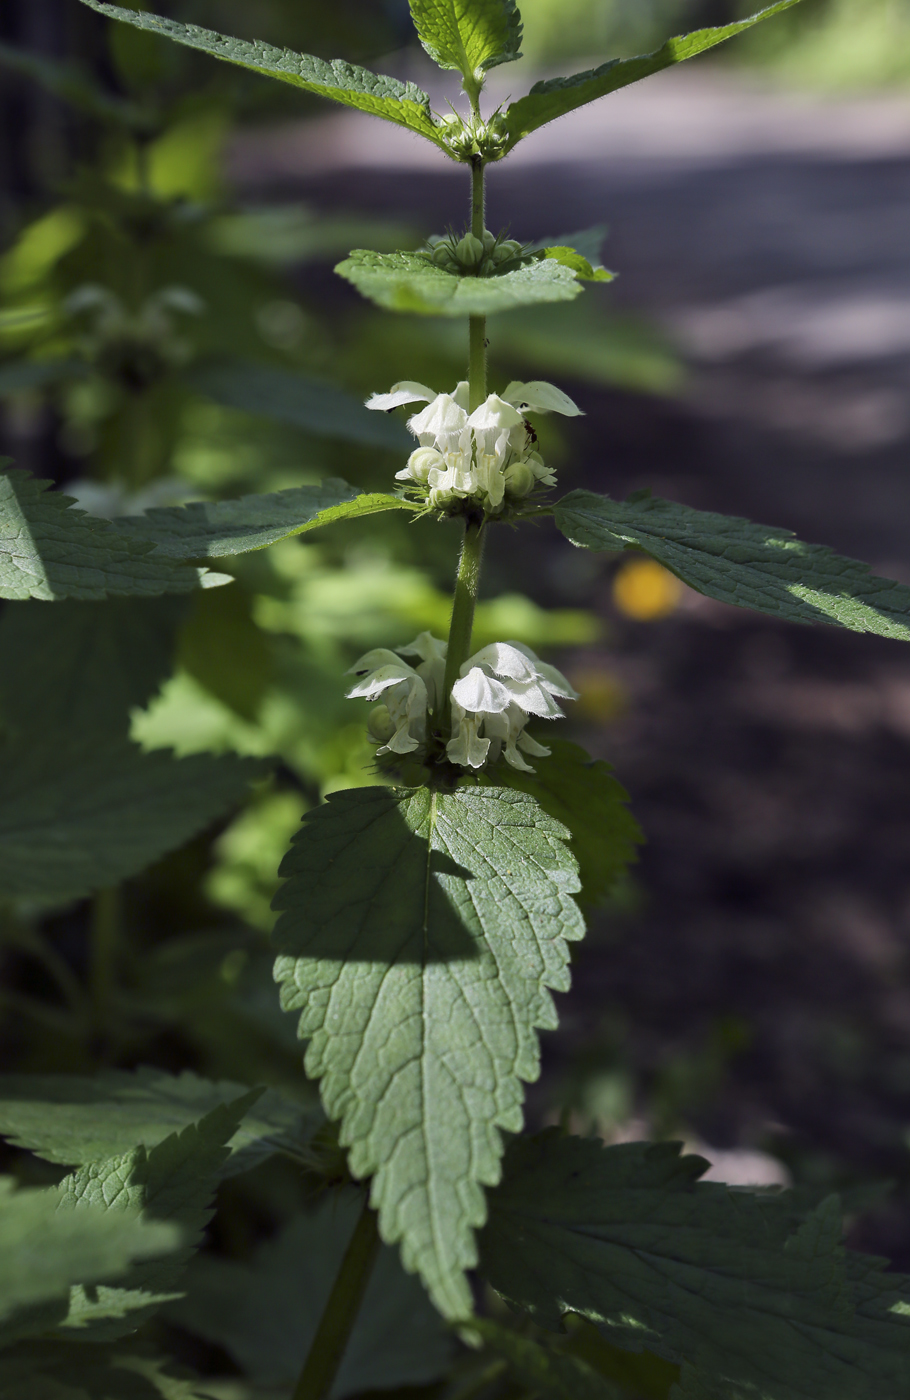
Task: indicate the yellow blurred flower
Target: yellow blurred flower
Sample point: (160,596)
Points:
(645,590)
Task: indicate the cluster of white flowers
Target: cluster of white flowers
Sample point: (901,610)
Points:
(487,455)
(500,688)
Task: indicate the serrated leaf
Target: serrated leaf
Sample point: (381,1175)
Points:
(266,1313)
(174,1181)
(469,36)
(216,529)
(18,376)
(275,393)
(570,257)
(738,562)
(76,818)
(582,794)
(410,282)
(72,1119)
(81,1371)
(81,667)
(380,96)
(548,1373)
(420,935)
(50,550)
(693,1272)
(43,1252)
(557,96)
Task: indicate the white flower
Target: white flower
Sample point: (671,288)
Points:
(500,688)
(400,723)
(487,455)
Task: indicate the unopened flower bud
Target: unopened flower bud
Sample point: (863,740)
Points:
(509,248)
(442,255)
(519,479)
(469,250)
(489,241)
(379,723)
(424,460)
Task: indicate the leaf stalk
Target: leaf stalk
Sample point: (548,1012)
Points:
(341,1310)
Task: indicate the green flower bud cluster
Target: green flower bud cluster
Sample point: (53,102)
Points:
(468,137)
(469,254)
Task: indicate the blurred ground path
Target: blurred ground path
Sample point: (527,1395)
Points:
(768,233)
(766,971)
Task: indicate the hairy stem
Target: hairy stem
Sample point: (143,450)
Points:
(466,585)
(337,1323)
(477,325)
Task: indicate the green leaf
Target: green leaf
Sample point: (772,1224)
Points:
(579,264)
(44,1251)
(582,794)
(735,561)
(557,96)
(16,376)
(79,817)
(174,1181)
(72,1119)
(50,550)
(420,935)
(728,1281)
(410,282)
(81,667)
(278,394)
(265,1314)
(469,36)
(550,1374)
(81,1371)
(402,103)
(216,529)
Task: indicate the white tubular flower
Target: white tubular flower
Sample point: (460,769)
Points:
(432,668)
(499,689)
(403,721)
(488,456)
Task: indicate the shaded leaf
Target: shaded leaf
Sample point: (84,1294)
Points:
(80,817)
(726,1280)
(278,394)
(735,561)
(71,84)
(72,1119)
(81,1371)
(44,1251)
(402,103)
(410,282)
(420,934)
(174,1181)
(216,529)
(582,794)
(550,1374)
(469,36)
(81,667)
(50,550)
(557,96)
(265,1314)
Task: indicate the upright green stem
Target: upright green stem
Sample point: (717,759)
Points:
(337,1323)
(466,585)
(477,325)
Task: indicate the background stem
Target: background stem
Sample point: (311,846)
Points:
(337,1322)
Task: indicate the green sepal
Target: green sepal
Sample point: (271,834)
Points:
(582,794)
(557,96)
(421,934)
(738,562)
(218,529)
(374,93)
(469,36)
(410,282)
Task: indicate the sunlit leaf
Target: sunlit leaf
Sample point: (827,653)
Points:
(410,282)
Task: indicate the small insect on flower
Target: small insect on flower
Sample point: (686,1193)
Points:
(487,456)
